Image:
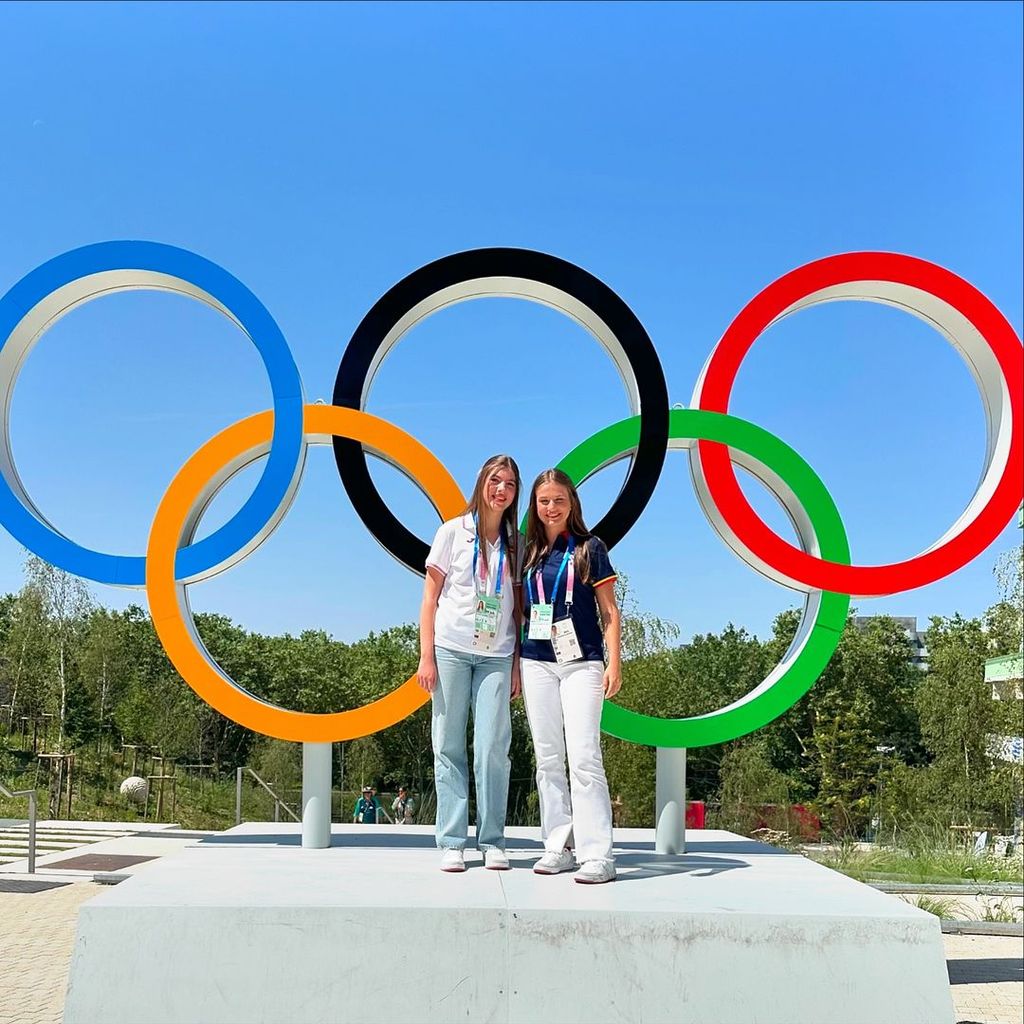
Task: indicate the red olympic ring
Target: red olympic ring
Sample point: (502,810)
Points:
(774,302)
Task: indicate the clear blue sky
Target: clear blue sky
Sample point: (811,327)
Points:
(688,155)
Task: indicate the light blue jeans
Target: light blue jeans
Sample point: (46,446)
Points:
(483,683)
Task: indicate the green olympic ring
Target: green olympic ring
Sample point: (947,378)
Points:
(811,649)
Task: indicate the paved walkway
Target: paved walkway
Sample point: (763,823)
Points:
(987,977)
(36,936)
(38,930)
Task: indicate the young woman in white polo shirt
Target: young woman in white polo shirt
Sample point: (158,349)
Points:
(573,621)
(469,658)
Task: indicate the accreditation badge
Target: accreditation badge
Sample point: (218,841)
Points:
(485,622)
(565,642)
(542,617)
(483,642)
(487,615)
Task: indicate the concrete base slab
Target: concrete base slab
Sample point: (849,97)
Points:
(248,927)
(147,838)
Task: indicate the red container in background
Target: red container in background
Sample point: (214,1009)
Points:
(695,814)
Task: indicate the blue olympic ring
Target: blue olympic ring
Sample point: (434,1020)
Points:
(74,277)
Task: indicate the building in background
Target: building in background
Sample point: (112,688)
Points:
(919,655)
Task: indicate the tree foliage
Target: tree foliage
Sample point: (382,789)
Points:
(876,738)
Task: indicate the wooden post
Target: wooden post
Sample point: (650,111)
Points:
(59,787)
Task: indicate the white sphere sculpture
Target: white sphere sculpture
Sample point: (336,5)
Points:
(136,789)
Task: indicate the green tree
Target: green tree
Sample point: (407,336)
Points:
(753,793)
(826,744)
(104,663)
(959,720)
(648,680)
(24,652)
(1006,619)
(66,603)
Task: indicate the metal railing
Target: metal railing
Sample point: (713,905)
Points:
(31,794)
(278,802)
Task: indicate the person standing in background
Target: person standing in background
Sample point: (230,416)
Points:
(365,812)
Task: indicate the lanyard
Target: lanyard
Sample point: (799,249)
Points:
(570,583)
(501,561)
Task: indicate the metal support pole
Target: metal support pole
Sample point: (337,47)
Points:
(238,795)
(670,801)
(316,796)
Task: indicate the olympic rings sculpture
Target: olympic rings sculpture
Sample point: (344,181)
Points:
(820,567)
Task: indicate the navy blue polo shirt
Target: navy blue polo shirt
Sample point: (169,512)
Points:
(584,603)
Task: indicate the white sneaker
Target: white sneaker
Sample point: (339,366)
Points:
(594,872)
(453,860)
(552,863)
(495,859)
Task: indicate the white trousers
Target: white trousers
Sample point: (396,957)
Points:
(563,706)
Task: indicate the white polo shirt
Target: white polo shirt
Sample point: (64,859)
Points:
(452,554)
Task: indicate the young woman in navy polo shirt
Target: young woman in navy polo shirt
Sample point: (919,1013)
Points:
(469,660)
(567,581)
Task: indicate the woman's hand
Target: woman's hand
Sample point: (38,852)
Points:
(426,674)
(612,622)
(517,683)
(612,681)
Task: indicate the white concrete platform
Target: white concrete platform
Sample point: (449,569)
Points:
(139,839)
(248,927)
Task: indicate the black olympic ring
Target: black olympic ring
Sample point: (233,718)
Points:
(517,273)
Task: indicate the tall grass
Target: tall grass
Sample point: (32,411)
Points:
(943,907)
(925,855)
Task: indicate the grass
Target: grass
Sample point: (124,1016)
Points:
(947,909)
(940,862)
(1003,912)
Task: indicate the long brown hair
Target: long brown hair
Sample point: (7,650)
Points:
(509,518)
(536,536)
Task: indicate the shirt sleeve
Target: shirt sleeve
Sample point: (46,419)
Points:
(440,556)
(601,571)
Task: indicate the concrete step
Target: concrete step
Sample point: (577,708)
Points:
(65,834)
(70,837)
(41,848)
(6,847)
(42,840)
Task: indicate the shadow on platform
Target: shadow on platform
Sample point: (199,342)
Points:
(633,867)
(635,860)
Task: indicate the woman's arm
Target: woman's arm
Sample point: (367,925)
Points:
(611,619)
(427,671)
